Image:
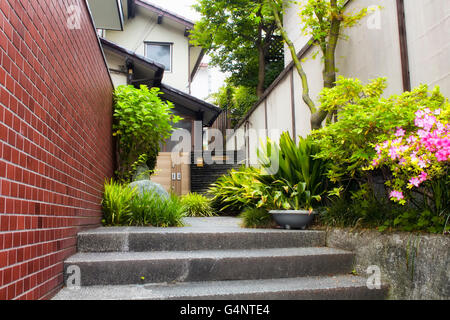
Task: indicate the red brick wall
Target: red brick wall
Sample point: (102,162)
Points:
(55,141)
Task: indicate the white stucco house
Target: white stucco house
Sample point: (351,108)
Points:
(149,45)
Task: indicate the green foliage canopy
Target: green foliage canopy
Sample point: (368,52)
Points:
(241,38)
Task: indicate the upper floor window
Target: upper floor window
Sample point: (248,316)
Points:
(160,53)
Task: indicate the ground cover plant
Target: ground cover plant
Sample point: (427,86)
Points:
(124,206)
(256,218)
(197,205)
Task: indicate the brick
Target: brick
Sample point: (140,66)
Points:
(55,145)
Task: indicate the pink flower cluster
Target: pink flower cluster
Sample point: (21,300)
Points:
(415,156)
(397,195)
(436,141)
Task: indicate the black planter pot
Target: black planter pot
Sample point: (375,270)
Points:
(292,219)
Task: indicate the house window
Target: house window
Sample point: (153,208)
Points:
(160,53)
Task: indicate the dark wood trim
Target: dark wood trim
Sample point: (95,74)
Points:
(404,56)
(163,12)
(197,63)
(294,128)
(266,119)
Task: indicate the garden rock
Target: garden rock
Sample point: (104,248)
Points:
(142,173)
(149,186)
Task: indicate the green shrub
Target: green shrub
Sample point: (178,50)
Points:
(236,190)
(142,121)
(116,203)
(256,218)
(123,206)
(365,119)
(197,205)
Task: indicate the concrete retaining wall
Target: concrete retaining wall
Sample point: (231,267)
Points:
(415,266)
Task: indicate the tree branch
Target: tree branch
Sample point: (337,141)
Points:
(305,95)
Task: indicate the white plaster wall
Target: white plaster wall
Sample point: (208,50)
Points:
(116,63)
(370,52)
(279,112)
(428,34)
(144,27)
(257,133)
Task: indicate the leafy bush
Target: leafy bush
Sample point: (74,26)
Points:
(197,205)
(116,203)
(419,164)
(236,190)
(293,176)
(365,119)
(421,157)
(124,206)
(142,122)
(256,218)
(389,136)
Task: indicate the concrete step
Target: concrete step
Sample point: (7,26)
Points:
(208,265)
(135,239)
(308,288)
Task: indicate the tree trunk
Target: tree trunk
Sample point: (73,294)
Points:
(305,94)
(261,70)
(329,73)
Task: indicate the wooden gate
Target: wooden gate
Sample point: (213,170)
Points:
(173,177)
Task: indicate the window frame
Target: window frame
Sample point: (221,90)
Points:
(170,44)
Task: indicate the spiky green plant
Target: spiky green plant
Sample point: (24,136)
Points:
(296,180)
(236,190)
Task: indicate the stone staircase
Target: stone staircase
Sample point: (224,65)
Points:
(212,259)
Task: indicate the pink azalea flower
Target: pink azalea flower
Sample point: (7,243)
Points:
(423,176)
(393,153)
(415,181)
(443,155)
(420,113)
(398,195)
(400,132)
(422,164)
(411,139)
